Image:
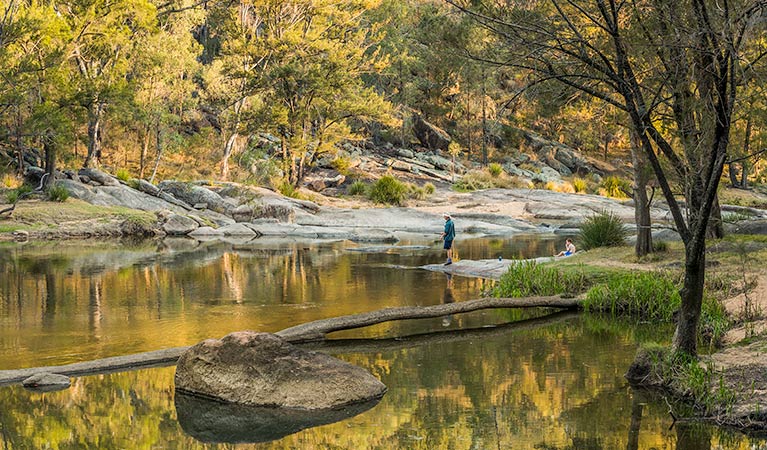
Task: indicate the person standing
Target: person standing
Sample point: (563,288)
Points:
(447,236)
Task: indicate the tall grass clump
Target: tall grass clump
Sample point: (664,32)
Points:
(14,195)
(123,175)
(358,188)
(615,187)
(647,295)
(287,189)
(580,185)
(528,278)
(388,190)
(602,230)
(429,188)
(495,169)
(57,193)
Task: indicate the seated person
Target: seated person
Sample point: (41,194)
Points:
(569,248)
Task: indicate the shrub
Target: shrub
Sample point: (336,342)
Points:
(13,196)
(659,246)
(57,193)
(579,185)
(415,191)
(123,175)
(615,187)
(358,188)
(528,278)
(341,164)
(388,190)
(287,189)
(495,169)
(602,230)
(429,188)
(11,181)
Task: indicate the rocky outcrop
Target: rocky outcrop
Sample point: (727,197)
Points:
(192,195)
(178,225)
(261,369)
(430,135)
(97,176)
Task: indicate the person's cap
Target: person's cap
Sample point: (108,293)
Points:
(446,214)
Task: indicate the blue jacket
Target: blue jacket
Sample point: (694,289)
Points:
(449,230)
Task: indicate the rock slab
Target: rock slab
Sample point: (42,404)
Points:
(46,382)
(261,369)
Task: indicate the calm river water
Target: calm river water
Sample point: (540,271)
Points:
(486,380)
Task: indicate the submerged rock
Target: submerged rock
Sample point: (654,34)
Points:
(46,382)
(261,369)
(212,421)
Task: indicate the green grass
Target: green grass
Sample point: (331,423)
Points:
(358,188)
(647,295)
(123,174)
(602,230)
(57,193)
(615,187)
(579,185)
(495,170)
(528,278)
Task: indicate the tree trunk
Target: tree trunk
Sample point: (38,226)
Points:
(733,171)
(318,329)
(144,151)
(50,147)
(19,145)
(715,224)
(686,334)
(641,202)
(484,120)
(95,113)
(227,153)
(744,174)
(158,139)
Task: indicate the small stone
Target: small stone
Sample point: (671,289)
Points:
(46,382)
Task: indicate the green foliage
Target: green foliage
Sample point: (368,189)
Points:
(388,190)
(615,187)
(659,246)
(57,193)
(14,194)
(123,175)
(429,188)
(579,185)
(654,296)
(357,188)
(649,295)
(481,179)
(602,230)
(495,169)
(287,189)
(342,165)
(699,386)
(528,278)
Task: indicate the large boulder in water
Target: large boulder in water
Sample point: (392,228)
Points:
(261,369)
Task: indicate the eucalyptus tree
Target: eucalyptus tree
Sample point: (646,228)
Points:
(673,67)
(102,45)
(165,71)
(305,60)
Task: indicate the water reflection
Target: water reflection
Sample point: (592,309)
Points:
(210,421)
(490,379)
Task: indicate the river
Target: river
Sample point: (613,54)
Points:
(485,380)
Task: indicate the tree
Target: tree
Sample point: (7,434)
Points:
(103,36)
(304,61)
(652,60)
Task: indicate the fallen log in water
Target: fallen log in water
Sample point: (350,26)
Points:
(311,331)
(319,328)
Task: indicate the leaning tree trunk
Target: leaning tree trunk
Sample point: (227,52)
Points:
(715,224)
(95,114)
(733,172)
(641,202)
(49,147)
